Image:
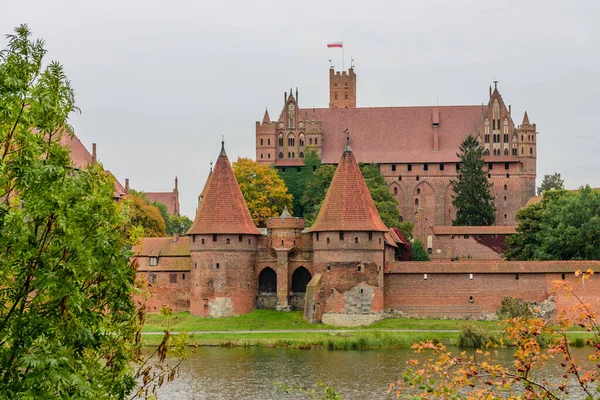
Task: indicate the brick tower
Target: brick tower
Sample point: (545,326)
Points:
(223,246)
(348,248)
(526,139)
(342,89)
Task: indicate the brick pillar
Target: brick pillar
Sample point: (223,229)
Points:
(282,281)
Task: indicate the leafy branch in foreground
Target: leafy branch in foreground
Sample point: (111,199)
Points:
(482,376)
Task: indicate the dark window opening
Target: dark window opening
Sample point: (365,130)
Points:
(417,177)
(183,277)
(341,235)
(441,166)
(563,277)
(317,235)
(506,165)
(410,167)
(240,238)
(457,166)
(395,190)
(425,167)
(356,239)
(400,178)
(359,269)
(214,237)
(329,268)
(517,276)
(261,142)
(370,236)
(194,238)
(327,240)
(227,241)
(202,241)
(470,299)
(393,167)
(490,166)
(217,265)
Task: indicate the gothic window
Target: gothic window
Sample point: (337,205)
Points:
(487,138)
(505,152)
(269,142)
(261,156)
(280,155)
(505,187)
(514,152)
(310,141)
(293,155)
(487,152)
(522,151)
(506,138)
(316,141)
(418,190)
(269,155)
(261,142)
(396,190)
(335,96)
(291,140)
(416,202)
(487,127)
(153,261)
(280,140)
(289,154)
(301,155)
(531,150)
(301,139)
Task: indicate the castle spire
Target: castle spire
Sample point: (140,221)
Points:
(347,148)
(222,209)
(525,119)
(266,118)
(222,153)
(348,205)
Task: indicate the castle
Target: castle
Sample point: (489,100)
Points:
(415,148)
(347,269)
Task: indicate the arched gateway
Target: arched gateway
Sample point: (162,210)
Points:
(300,279)
(267,288)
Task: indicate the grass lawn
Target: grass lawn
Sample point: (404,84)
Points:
(316,340)
(274,320)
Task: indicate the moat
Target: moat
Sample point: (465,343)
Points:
(250,373)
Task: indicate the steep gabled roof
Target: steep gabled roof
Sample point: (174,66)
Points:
(223,208)
(348,205)
(395,134)
(169,199)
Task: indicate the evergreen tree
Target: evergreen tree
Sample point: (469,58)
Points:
(473,199)
(296,179)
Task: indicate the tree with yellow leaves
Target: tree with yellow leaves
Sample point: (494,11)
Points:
(264,191)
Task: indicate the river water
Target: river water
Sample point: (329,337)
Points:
(250,373)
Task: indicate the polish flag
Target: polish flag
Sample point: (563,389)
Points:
(335,44)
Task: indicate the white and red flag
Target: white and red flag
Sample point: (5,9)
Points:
(335,44)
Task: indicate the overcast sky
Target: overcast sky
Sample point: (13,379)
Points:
(158,82)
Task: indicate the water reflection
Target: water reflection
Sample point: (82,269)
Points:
(249,373)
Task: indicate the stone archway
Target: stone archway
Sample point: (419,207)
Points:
(300,279)
(267,289)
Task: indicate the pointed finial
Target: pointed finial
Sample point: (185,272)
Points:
(347,148)
(176,182)
(285,214)
(525,119)
(211,164)
(495,85)
(222,146)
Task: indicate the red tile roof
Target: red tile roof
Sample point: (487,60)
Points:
(223,208)
(169,199)
(162,247)
(80,156)
(348,205)
(395,134)
(289,162)
(475,230)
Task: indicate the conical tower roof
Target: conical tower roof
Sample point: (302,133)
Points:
(223,209)
(526,119)
(348,205)
(266,118)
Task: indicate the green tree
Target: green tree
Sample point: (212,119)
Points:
(173,223)
(551,182)
(264,191)
(563,226)
(406,227)
(316,189)
(296,179)
(67,319)
(473,199)
(418,251)
(178,224)
(386,203)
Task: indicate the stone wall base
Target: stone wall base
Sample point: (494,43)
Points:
(351,319)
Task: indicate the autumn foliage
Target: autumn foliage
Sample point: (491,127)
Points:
(481,376)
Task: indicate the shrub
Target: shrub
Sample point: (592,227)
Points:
(419,253)
(579,342)
(514,308)
(475,336)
